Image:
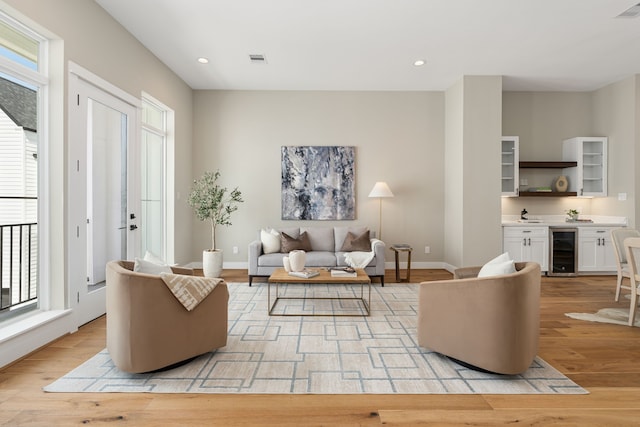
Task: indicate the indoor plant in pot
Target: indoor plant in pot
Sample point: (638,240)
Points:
(214,203)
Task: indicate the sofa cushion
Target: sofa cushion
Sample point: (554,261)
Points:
(271,260)
(270,241)
(321,238)
(288,243)
(356,242)
(341,234)
(320,259)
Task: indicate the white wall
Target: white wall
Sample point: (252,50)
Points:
(614,116)
(399,138)
(454,174)
(482,224)
(472,177)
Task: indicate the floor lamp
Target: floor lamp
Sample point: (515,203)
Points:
(380,191)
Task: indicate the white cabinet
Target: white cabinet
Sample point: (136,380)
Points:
(595,250)
(510,171)
(589,178)
(527,244)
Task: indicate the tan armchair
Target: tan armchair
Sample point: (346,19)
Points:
(491,323)
(149,329)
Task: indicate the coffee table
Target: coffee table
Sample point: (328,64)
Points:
(280,276)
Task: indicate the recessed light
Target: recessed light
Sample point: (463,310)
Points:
(419,63)
(203,60)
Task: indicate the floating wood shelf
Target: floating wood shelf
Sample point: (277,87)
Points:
(547,165)
(547,193)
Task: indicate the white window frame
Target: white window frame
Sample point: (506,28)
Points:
(168,171)
(39,79)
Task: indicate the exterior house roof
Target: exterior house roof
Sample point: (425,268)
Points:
(20,104)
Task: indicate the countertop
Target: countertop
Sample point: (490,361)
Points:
(560,221)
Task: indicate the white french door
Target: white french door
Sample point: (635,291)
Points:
(103,189)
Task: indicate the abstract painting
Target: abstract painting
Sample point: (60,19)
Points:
(318,183)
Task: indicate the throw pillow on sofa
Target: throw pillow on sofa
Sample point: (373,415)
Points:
(288,243)
(148,267)
(353,242)
(270,241)
(502,264)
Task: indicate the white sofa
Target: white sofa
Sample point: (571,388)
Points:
(326,245)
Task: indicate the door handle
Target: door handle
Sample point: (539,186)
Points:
(133,227)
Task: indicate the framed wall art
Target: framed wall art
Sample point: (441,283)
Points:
(318,183)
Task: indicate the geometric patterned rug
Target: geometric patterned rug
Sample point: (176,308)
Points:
(378,354)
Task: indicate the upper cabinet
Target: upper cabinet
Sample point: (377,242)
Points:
(589,178)
(510,160)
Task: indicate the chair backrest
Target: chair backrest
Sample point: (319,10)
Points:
(618,237)
(632,249)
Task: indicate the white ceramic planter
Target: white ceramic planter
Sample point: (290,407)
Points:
(297,259)
(285,264)
(212,263)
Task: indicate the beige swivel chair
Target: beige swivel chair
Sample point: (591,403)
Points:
(491,323)
(149,329)
(618,236)
(632,249)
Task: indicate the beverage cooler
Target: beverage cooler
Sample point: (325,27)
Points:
(563,253)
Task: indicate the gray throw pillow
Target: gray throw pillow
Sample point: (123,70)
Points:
(360,242)
(288,243)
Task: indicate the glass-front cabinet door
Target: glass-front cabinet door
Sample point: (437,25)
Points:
(589,178)
(510,161)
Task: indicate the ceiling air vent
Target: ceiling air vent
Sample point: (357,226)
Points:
(632,12)
(257,59)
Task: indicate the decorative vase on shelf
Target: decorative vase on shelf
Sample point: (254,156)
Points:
(286,264)
(297,259)
(212,263)
(561,183)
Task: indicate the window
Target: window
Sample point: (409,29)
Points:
(22,88)
(155,149)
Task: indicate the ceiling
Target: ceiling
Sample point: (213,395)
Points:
(536,45)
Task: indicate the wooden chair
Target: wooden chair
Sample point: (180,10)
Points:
(632,248)
(617,237)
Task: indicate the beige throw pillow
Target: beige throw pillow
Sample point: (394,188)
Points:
(270,241)
(361,242)
(288,243)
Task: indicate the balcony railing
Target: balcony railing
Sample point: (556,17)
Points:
(18,265)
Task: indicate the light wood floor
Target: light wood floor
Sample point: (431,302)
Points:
(604,359)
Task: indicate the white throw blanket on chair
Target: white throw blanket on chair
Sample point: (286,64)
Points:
(358,259)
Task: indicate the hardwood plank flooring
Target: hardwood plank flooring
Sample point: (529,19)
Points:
(604,359)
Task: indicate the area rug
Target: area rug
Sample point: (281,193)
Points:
(617,316)
(318,355)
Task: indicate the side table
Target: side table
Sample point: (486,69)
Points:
(402,248)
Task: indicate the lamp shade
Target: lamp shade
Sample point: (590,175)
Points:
(381,189)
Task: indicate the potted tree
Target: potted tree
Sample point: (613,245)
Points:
(214,203)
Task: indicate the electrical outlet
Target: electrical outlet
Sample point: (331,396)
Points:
(427,250)
(235,249)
